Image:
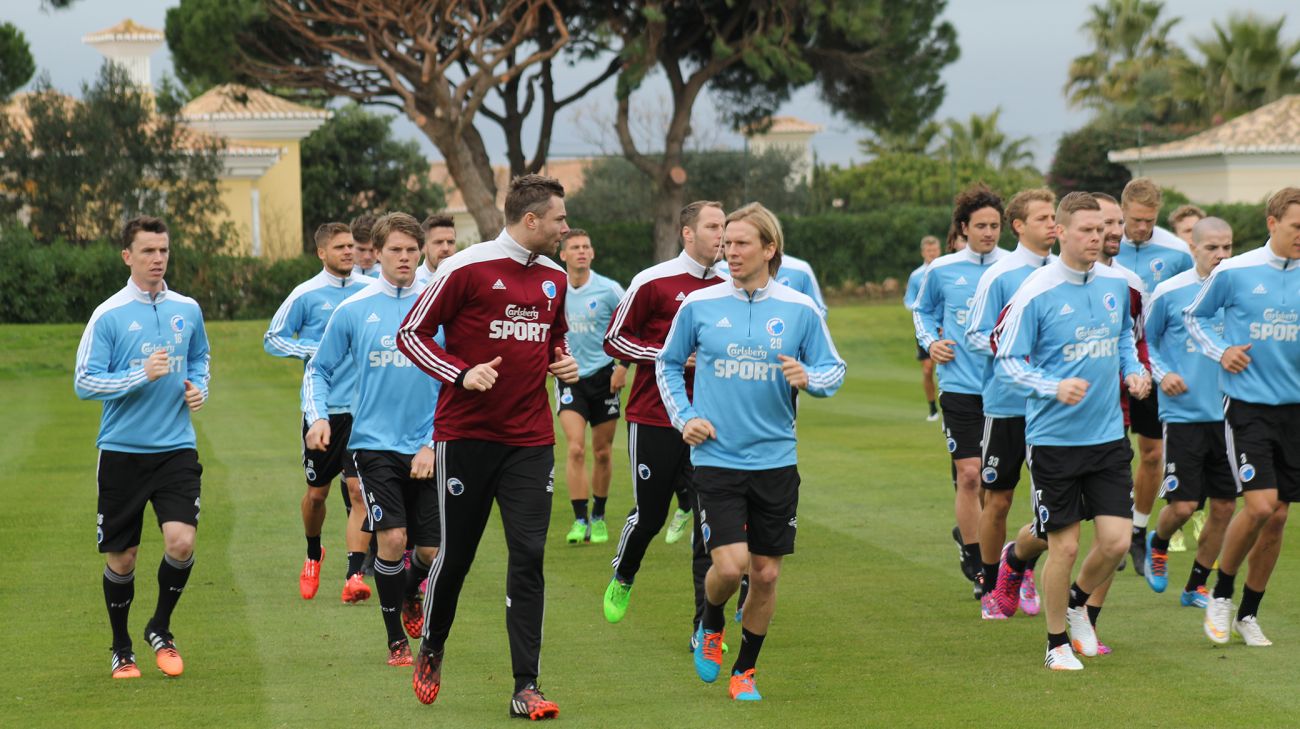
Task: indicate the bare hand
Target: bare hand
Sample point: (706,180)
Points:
(697,431)
(1173,385)
(618,379)
(794,372)
(941,351)
(156,365)
(1235,359)
(193,397)
(318,435)
(1139,386)
(422,464)
(1071,390)
(483,376)
(565,367)
(690,361)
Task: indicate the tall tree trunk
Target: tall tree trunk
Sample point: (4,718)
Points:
(470,169)
(669,200)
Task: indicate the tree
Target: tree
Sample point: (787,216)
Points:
(1246,65)
(877,62)
(901,178)
(352,164)
(925,139)
(79,168)
(1081,161)
(16,63)
(980,140)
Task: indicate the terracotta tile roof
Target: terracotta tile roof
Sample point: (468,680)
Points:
(127,30)
(783,125)
(233,101)
(570,173)
(1271,129)
(16,109)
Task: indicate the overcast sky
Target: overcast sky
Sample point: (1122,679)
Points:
(1014,54)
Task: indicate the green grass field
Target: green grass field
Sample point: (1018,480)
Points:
(874,625)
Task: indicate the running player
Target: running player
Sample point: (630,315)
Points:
(798,275)
(1067,337)
(439,244)
(1196,464)
(661,463)
(1258,350)
(940,316)
(501,307)
(739,422)
(145,355)
(295,332)
(363,246)
(392,426)
(1155,255)
(1032,217)
(592,399)
(929,252)
(1183,219)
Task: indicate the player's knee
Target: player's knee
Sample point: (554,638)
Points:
(998,503)
(122,562)
(1182,510)
(427,554)
(729,568)
(1063,550)
(764,576)
(1259,510)
(602,453)
(1221,510)
(317,495)
(392,541)
(577,451)
(1277,520)
(180,544)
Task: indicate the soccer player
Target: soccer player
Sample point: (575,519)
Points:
(1183,219)
(739,422)
(661,464)
(500,305)
(929,252)
(363,246)
(1155,255)
(940,316)
(144,353)
(391,436)
(295,332)
(1196,463)
(1259,351)
(439,244)
(798,275)
(1067,338)
(593,399)
(1032,217)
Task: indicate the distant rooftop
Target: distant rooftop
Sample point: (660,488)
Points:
(1271,129)
(233,101)
(782,125)
(127,30)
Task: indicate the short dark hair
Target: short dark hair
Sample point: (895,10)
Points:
(691,213)
(1184,211)
(1018,208)
(1103,197)
(361,226)
(573,233)
(326,232)
(1075,202)
(975,197)
(530,194)
(138,224)
(395,223)
(437,221)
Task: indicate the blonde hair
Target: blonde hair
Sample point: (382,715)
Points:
(1184,211)
(1018,208)
(1141,190)
(1281,200)
(768,227)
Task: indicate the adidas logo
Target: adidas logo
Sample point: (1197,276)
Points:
(498,286)
(135,327)
(723,323)
(373,318)
(613,410)
(327,306)
(960,281)
(1066,310)
(681,296)
(1260,290)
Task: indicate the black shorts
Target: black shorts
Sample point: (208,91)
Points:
(1074,483)
(1144,415)
(1003,453)
(757,507)
(394,499)
(589,397)
(963,423)
(322,467)
(1197,464)
(922,353)
(1261,441)
(127,481)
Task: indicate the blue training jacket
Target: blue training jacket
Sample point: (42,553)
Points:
(798,275)
(1172,350)
(395,401)
(914,285)
(298,324)
(1065,323)
(1156,260)
(1259,295)
(588,310)
(992,296)
(739,386)
(947,292)
(142,416)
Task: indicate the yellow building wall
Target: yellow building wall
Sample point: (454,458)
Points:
(1253,186)
(236,195)
(280,204)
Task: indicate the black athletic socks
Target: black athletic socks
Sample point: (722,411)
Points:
(1249,603)
(172,576)
(933,410)
(714,620)
(1158,543)
(355,560)
(390,581)
(990,575)
(1200,574)
(750,645)
(313,547)
(415,575)
(119,591)
(1225,585)
(579,508)
(1017,564)
(598,506)
(1056,640)
(1140,535)
(1031,562)
(1094,612)
(971,553)
(1077,597)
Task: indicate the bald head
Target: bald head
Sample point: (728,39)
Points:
(1211,244)
(1206,227)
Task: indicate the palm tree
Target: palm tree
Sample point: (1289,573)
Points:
(1247,64)
(1133,60)
(920,141)
(981,140)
